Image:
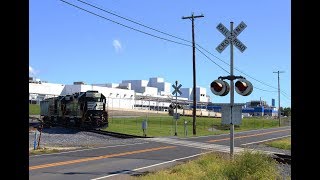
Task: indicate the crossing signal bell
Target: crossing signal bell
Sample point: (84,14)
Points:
(219,87)
(243,87)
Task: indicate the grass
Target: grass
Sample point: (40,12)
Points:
(247,165)
(165,125)
(284,143)
(34,109)
(43,151)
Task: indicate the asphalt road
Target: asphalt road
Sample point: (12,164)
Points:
(121,161)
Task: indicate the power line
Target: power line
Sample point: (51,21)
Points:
(213,55)
(164,38)
(264,89)
(212,60)
(135,22)
(157,31)
(236,68)
(126,25)
(174,37)
(285,96)
(228,72)
(286,93)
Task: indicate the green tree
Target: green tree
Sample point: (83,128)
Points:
(286,111)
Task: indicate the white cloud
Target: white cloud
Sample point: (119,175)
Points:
(31,71)
(117,45)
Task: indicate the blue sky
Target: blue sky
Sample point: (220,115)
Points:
(67,44)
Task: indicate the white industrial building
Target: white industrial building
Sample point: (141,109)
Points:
(41,90)
(201,94)
(154,94)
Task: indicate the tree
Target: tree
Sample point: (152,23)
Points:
(286,111)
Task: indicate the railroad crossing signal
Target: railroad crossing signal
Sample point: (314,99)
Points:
(176,89)
(219,87)
(243,87)
(231,37)
(176,116)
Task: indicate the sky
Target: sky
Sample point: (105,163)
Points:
(67,44)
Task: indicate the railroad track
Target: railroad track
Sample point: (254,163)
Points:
(98,131)
(115,134)
(282,158)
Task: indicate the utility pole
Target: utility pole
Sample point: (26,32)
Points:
(231,95)
(194,71)
(279,112)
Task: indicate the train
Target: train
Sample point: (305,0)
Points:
(82,110)
(185,111)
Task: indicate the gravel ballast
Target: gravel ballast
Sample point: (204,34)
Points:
(62,137)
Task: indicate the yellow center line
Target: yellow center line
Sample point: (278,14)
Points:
(97,158)
(238,137)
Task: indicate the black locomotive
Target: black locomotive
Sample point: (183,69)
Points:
(83,109)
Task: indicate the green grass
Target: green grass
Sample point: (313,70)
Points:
(165,125)
(34,109)
(247,165)
(284,143)
(43,151)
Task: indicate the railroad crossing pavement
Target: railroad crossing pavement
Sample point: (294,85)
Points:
(121,161)
(219,143)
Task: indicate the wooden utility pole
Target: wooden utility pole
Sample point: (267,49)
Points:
(194,71)
(279,111)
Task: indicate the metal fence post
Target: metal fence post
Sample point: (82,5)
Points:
(35,140)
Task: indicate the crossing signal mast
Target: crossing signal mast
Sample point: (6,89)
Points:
(242,86)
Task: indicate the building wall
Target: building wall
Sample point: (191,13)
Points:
(163,87)
(152,91)
(116,98)
(186,93)
(154,105)
(46,88)
(201,94)
(137,85)
(40,91)
(167,87)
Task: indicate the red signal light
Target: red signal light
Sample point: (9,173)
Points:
(243,87)
(219,87)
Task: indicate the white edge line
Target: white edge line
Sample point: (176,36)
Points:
(125,172)
(236,132)
(87,149)
(264,140)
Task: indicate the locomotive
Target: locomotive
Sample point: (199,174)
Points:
(81,109)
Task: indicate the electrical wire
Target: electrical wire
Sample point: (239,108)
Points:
(212,60)
(126,25)
(166,39)
(285,96)
(135,22)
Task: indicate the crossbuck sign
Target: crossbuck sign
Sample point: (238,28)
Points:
(231,37)
(176,89)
